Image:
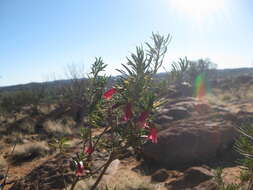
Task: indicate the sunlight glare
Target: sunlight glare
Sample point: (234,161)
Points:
(198,9)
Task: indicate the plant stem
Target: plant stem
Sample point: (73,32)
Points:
(74,183)
(8,168)
(107,164)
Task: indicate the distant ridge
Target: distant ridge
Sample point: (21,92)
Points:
(33,85)
(221,74)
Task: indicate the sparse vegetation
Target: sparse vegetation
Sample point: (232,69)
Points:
(102,118)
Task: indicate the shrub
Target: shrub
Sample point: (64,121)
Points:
(12,102)
(125,111)
(244,145)
(186,70)
(202,66)
(178,73)
(73,95)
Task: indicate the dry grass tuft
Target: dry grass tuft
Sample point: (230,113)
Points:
(56,128)
(27,126)
(14,138)
(46,108)
(28,152)
(124,179)
(226,98)
(3,166)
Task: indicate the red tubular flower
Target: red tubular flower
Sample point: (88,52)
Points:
(109,93)
(142,119)
(80,169)
(153,135)
(88,150)
(128,114)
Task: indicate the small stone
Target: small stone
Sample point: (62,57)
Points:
(160,175)
(114,166)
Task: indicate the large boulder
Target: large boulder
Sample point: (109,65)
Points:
(191,141)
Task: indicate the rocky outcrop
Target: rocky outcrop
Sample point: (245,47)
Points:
(207,185)
(192,177)
(182,89)
(176,110)
(178,113)
(160,175)
(191,142)
(202,133)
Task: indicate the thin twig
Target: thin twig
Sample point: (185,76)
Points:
(8,168)
(103,171)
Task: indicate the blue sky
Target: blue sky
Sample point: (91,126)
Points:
(39,38)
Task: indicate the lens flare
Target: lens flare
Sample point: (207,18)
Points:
(200,86)
(201,89)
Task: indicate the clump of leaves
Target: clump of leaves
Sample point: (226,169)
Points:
(178,73)
(244,145)
(60,144)
(221,185)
